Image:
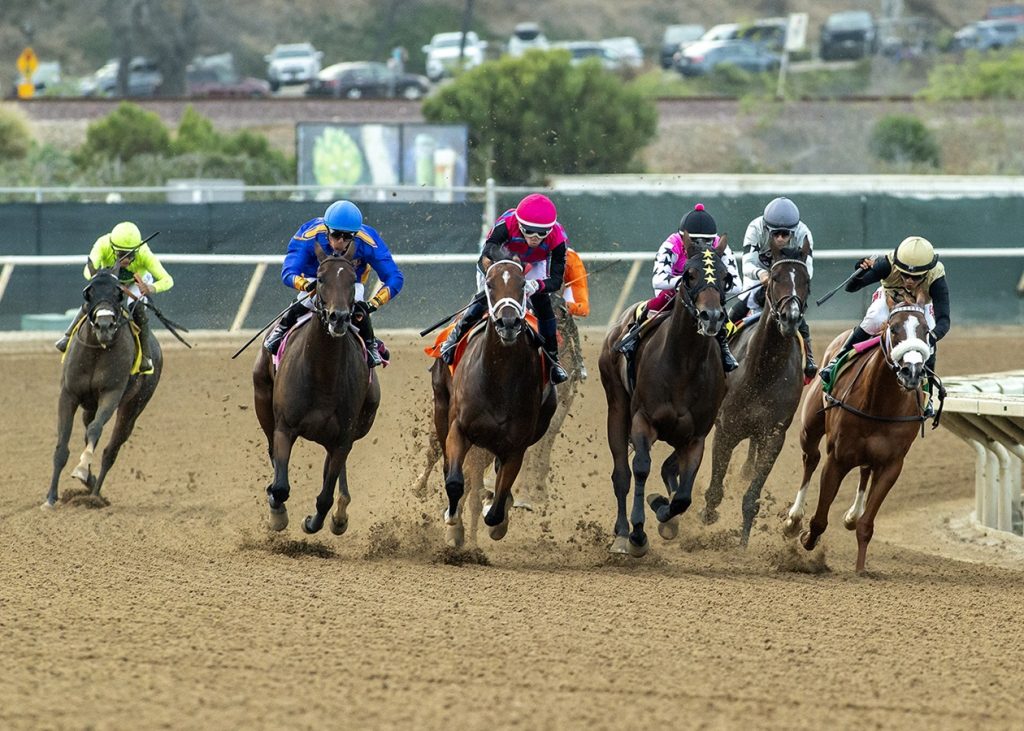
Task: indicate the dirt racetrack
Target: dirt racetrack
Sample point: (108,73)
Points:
(173,606)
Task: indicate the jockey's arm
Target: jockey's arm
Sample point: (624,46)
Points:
(496,239)
(939,292)
(664,266)
(299,263)
(96,256)
(752,241)
(556,271)
(147,261)
(391,277)
(878,271)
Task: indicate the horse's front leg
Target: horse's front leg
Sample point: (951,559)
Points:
(667,510)
(618,443)
(767,452)
(831,478)
(455,449)
(104,410)
(333,465)
(127,414)
(810,444)
(339,518)
(278,490)
(880,486)
(721,454)
(496,514)
(66,407)
(643,437)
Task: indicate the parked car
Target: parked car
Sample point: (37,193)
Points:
(292,63)
(217,82)
(46,76)
(703,57)
(630,54)
(443,53)
(769,33)
(580,51)
(144,78)
(988,35)
(526,36)
(675,38)
(1014,11)
(722,32)
(851,34)
(367,80)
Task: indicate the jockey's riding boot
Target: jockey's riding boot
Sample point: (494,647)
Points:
(557,373)
(142,320)
(452,341)
(738,311)
(828,372)
(365,328)
(729,362)
(627,345)
(810,367)
(287,321)
(62,344)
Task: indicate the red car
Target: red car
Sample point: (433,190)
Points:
(216,82)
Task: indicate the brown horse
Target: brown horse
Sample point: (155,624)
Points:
(869,421)
(323,391)
(97,376)
(496,400)
(765,390)
(679,388)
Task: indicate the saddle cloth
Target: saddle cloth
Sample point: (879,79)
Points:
(434,351)
(850,357)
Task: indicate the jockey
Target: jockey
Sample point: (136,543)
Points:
(531,233)
(912,268)
(140,271)
(782,226)
(337,231)
(669,264)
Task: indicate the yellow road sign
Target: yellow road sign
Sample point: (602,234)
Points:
(27,62)
(26,90)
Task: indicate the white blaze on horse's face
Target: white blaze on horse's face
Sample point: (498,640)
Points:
(909,354)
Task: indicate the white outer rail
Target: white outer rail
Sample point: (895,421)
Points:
(261,261)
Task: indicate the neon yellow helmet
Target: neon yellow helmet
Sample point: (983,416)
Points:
(914,256)
(126,236)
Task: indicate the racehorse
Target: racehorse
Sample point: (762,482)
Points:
(765,390)
(97,375)
(498,399)
(870,424)
(680,385)
(322,391)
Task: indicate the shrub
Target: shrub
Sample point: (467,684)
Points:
(124,133)
(537,115)
(995,75)
(902,138)
(15,138)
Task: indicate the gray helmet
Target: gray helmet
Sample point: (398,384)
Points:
(781,213)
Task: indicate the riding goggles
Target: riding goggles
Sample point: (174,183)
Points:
(780,232)
(534,230)
(341,235)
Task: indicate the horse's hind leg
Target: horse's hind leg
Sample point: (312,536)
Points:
(880,487)
(767,451)
(127,414)
(432,455)
(496,514)
(667,510)
(721,454)
(279,489)
(66,407)
(334,464)
(857,509)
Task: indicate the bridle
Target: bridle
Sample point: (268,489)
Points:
(709,281)
(318,304)
(105,307)
(775,308)
(519,306)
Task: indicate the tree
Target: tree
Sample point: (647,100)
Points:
(537,115)
(124,133)
(169,30)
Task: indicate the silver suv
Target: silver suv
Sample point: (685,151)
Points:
(292,63)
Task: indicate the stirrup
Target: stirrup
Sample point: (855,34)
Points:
(810,368)
(557,374)
(146,367)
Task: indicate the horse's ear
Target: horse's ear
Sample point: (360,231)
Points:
(319,251)
(805,250)
(723,243)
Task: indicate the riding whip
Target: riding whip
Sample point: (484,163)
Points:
(828,295)
(276,317)
(170,324)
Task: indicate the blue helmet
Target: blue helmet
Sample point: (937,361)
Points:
(343,216)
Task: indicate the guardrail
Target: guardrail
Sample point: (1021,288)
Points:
(260,262)
(987,411)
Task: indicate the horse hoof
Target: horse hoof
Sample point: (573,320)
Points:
(709,516)
(278,518)
(523,504)
(309,525)
(454,536)
(638,551)
(498,531)
(850,524)
(47,505)
(791,527)
(82,475)
(807,542)
(338,528)
(669,529)
(619,545)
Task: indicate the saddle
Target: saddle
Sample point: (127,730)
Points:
(133,328)
(848,358)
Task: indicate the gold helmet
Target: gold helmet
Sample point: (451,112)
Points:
(126,236)
(914,256)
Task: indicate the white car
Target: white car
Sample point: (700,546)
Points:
(292,63)
(525,37)
(627,49)
(443,53)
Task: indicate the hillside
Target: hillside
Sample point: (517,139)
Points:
(79,35)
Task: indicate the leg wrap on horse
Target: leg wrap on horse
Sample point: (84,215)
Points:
(810,367)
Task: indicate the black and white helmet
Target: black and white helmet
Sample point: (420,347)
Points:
(781,213)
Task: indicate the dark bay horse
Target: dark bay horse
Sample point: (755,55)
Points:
(97,376)
(323,391)
(496,400)
(765,390)
(869,421)
(680,385)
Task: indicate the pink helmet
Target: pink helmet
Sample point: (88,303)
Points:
(536,211)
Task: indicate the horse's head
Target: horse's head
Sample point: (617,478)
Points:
(906,344)
(789,285)
(104,305)
(335,289)
(703,284)
(505,285)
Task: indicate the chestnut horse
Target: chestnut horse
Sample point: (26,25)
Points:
(765,390)
(322,391)
(869,421)
(680,385)
(497,399)
(97,375)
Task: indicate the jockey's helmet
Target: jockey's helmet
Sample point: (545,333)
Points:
(781,213)
(343,216)
(536,213)
(914,256)
(698,222)
(125,236)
